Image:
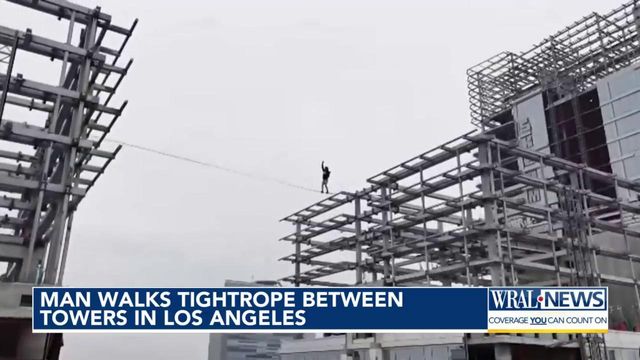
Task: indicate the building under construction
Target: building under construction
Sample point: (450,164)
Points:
(51,153)
(544,193)
(241,346)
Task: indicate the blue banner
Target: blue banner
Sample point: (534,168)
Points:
(310,309)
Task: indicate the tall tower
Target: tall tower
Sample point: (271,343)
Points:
(546,192)
(51,153)
(51,133)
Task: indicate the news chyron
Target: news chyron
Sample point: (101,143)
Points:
(384,309)
(548,310)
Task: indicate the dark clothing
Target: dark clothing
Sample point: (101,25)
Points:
(325,178)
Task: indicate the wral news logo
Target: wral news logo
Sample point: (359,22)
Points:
(548,310)
(547,299)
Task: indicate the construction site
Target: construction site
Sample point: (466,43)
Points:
(545,191)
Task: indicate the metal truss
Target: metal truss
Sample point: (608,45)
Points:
(47,166)
(5,54)
(571,60)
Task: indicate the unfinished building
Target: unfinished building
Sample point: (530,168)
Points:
(543,193)
(241,346)
(55,110)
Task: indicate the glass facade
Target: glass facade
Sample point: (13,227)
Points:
(620,105)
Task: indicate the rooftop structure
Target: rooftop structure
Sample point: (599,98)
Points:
(570,61)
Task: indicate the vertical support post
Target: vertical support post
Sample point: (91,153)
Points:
(392,258)
(494,246)
(587,246)
(385,236)
(297,259)
(5,92)
(425,234)
(358,225)
(464,220)
(67,237)
(505,216)
(26,271)
(552,234)
(69,176)
(582,265)
(592,249)
(493,242)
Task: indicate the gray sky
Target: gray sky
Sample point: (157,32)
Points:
(273,88)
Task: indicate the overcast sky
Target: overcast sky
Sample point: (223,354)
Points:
(271,87)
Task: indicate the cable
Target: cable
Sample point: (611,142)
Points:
(212,165)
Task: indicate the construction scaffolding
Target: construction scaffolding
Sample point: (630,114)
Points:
(571,60)
(544,193)
(469,223)
(51,133)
